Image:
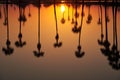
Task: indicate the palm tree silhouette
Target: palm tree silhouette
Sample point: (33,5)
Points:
(100,41)
(68,12)
(57,43)
(106,43)
(63,19)
(72,22)
(75,29)
(20,43)
(38,53)
(5,15)
(29,14)
(99,13)
(8,50)
(114,56)
(79,53)
(22,16)
(89,17)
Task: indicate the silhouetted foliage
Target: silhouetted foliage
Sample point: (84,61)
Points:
(38,53)
(8,50)
(79,53)
(20,43)
(57,43)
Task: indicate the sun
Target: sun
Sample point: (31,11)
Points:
(62,8)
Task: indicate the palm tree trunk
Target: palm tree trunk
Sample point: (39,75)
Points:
(55,18)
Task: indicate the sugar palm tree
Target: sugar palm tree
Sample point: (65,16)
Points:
(8,50)
(5,15)
(72,22)
(29,14)
(38,53)
(89,17)
(22,16)
(75,29)
(99,13)
(57,43)
(63,19)
(106,43)
(100,41)
(79,53)
(114,56)
(68,12)
(20,43)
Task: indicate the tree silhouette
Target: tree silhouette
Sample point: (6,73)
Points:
(100,41)
(29,14)
(79,53)
(72,22)
(68,12)
(75,29)
(22,16)
(114,56)
(63,19)
(106,43)
(5,15)
(89,17)
(20,43)
(8,50)
(38,53)
(57,43)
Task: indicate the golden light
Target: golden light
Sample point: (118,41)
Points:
(62,8)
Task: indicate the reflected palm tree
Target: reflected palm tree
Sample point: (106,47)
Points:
(57,43)
(5,15)
(22,16)
(72,22)
(38,53)
(106,43)
(89,17)
(79,53)
(29,14)
(63,19)
(8,50)
(100,41)
(107,16)
(20,43)
(114,56)
(68,12)
(99,13)
(75,29)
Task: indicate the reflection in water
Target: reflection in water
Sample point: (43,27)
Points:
(63,12)
(38,53)
(100,21)
(75,29)
(72,22)
(112,54)
(89,17)
(106,42)
(68,12)
(79,53)
(29,14)
(57,44)
(8,50)
(22,18)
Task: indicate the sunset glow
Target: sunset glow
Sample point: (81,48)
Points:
(62,8)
